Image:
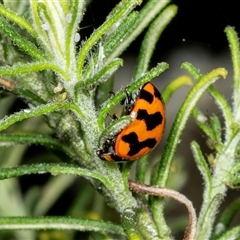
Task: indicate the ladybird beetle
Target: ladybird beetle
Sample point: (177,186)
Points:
(143,133)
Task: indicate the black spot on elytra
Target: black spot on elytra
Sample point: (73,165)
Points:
(135,145)
(145,95)
(151,120)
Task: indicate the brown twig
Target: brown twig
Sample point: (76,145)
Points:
(8,84)
(165,192)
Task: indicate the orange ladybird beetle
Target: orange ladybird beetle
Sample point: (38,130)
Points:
(143,133)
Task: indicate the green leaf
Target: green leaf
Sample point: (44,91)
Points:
(217,129)
(226,219)
(63,223)
(114,128)
(201,120)
(77,12)
(123,11)
(151,37)
(234,233)
(112,40)
(20,41)
(218,97)
(150,10)
(18,20)
(203,168)
(103,75)
(205,227)
(54,169)
(235,54)
(174,85)
(226,111)
(191,69)
(33,67)
(37,111)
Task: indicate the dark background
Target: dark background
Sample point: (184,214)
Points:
(200,22)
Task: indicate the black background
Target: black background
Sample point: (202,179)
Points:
(197,21)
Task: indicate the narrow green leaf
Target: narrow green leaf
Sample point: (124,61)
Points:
(235,175)
(27,94)
(203,168)
(150,10)
(112,41)
(33,67)
(221,177)
(191,69)
(202,123)
(20,41)
(53,168)
(151,38)
(103,75)
(235,54)
(172,87)
(15,18)
(76,12)
(124,10)
(42,35)
(205,227)
(218,97)
(217,129)
(225,109)
(226,219)
(63,223)
(234,233)
(38,111)
(114,128)
(48,14)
